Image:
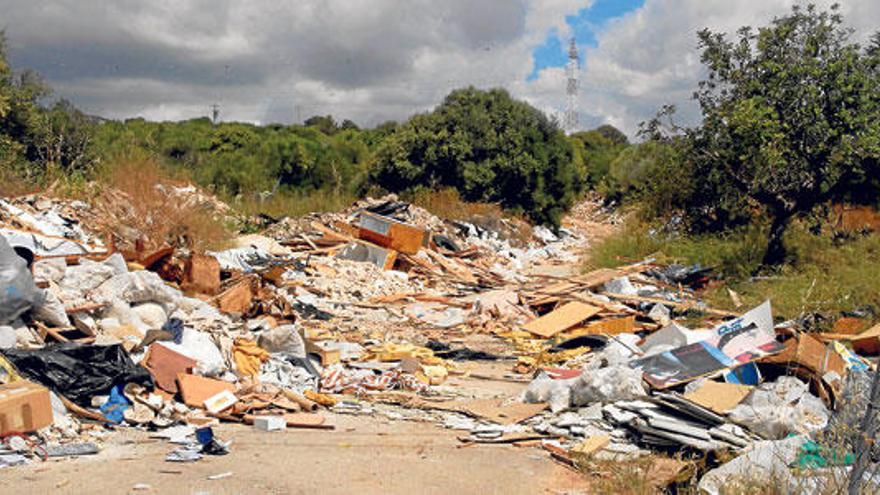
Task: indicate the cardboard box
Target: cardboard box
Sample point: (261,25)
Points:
(24,407)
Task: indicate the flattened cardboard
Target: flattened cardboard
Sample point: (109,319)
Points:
(719,396)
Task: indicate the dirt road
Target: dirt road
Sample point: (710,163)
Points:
(363,455)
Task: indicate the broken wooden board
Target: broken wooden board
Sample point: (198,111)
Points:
(495,410)
(195,390)
(453,267)
(719,396)
(607,326)
(591,445)
(561,319)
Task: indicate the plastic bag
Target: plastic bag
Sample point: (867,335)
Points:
(607,385)
(545,389)
(17,289)
(283,338)
(79,372)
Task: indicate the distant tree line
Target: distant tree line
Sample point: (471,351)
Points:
(790,121)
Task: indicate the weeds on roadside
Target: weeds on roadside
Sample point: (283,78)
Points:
(285,203)
(826,273)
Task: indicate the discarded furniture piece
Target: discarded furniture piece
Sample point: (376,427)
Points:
(390,233)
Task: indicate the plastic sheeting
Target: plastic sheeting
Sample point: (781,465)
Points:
(776,409)
(17,290)
(79,372)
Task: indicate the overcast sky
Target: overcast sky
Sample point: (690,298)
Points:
(373,60)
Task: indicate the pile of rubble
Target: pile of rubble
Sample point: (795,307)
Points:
(373,311)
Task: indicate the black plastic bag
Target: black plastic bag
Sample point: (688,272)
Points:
(79,372)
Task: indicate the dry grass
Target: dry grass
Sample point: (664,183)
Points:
(136,210)
(447,203)
(13,184)
(640,476)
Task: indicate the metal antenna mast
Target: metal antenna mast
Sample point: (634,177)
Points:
(571,90)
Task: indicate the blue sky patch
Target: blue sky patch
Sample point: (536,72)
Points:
(584,24)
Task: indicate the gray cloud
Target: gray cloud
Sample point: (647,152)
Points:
(368,60)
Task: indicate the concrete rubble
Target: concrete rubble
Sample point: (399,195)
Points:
(383,310)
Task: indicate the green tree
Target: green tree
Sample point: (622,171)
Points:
(64,138)
(489,147)
(598,151)
(790,120)
(323,123)
(613,134)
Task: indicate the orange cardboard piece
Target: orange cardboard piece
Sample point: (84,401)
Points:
(868,342)
(195,390)
(165,364)
(201,274)
(814,356)
(238,298)
(561,319)
(719,396)
(849,325)
(24,407)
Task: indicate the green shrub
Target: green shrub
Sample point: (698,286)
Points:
(489,147)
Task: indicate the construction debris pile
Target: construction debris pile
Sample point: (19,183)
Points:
(383,310)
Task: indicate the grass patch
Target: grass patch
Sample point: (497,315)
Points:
(289,203)
(14,184)
(825,275)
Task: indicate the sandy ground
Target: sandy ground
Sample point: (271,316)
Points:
(363,455)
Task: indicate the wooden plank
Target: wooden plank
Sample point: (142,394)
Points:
(561,319)
(453,267)
(591,445)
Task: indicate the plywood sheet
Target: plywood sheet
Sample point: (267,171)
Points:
(561,319)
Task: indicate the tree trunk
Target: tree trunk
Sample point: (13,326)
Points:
(775,253)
